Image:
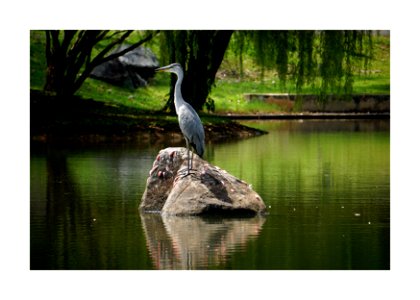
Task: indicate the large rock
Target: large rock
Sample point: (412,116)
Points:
(206,190)
(131,70)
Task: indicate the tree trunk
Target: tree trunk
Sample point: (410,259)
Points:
(57,63)
(200,52)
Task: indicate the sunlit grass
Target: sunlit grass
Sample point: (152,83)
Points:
(229,95)
(147,98)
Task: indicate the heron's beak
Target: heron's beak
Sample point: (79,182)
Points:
(162,69)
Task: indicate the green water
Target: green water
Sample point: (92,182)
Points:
(326,185)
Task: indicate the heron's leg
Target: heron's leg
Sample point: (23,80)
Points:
(188,162)
(192,159)
(188,157)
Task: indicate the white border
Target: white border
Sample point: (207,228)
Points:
(20,16)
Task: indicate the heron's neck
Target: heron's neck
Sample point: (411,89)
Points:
(178,94)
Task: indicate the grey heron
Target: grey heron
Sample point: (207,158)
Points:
(189,121)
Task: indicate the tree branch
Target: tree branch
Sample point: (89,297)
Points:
(128,49)
(100,59)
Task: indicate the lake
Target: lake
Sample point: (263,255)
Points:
(326,184)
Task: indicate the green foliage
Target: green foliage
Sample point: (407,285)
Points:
(327,60)
(38,62)
(367,70)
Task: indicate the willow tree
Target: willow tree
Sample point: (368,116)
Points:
(73,54)
(326,59)
(200,53)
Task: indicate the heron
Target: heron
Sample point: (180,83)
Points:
(188,119)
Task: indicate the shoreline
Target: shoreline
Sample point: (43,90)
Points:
(88,121)
(306,115)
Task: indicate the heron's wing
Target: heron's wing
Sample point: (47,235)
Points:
(191,127)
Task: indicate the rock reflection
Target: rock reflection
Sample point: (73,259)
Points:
(188,243)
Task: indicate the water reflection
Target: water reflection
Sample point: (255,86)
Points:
(326,185)
(187,243)
(84,207)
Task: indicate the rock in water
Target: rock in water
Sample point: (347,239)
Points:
(206,190)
